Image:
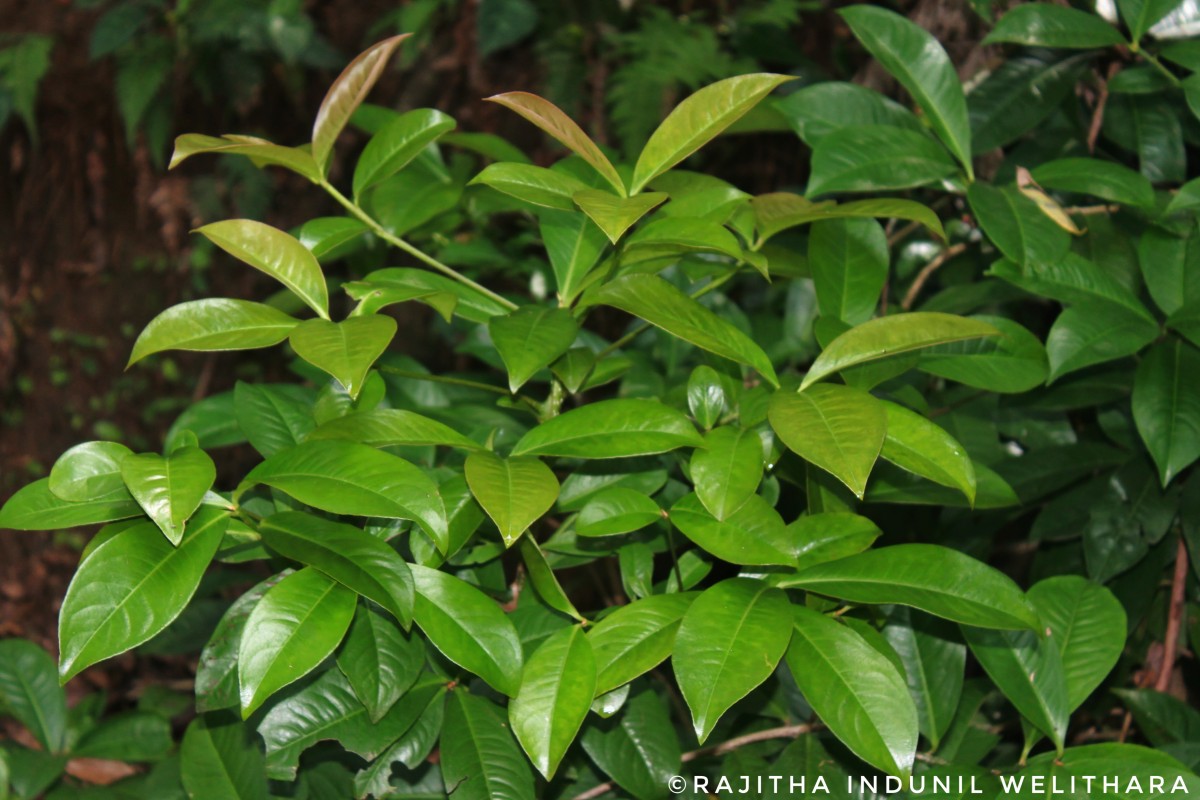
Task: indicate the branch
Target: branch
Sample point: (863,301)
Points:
(1174,618)
(930,268)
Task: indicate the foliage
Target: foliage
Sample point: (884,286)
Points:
(23,62)
(1007,366)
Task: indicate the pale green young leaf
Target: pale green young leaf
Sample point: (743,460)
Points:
(277,254)
(169,488)
(88,471)
(922,447)
(611,429)
(515,492)
(727,470)
(752,535)
(396,144)
(537,185)
(613,214)
(214,324)
(346,349)
(260,151)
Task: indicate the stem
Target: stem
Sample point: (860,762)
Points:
(425,376)
(640,329)
(1174,618)
(415,252)
(1171,76)
(929,269)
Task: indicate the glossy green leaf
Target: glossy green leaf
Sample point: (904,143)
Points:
(1122,763)
(515,492)
(638,749)
(351,556)
(574,245)
(213,324)
(613,214)
(1048,25)
(396,144)
(706,396)
(468,628)
(727,470)
(216,672)
(1093,333)
(220,759)
(88,471)
(530,338)
(1107,180)
(1187,198)
(273,417)
(1015,361)
(674,236)
(839,428)
(1140,15)
(389,427)
(876,158)
(1017,226)
(1072,280)
(1166,406)
(636,638)
(1150,127)
(821,110)
(934,660)
(131,587)
(296,624)
(29,692)
(556,692)
(922,447)
(849,263)
(662,305)
(754,534)
(730,641)
(936,579)
(611,429)
(889,336)
(856,691)
(348,478)
(1162,718)
(537,185)
(169,488)
(347,94)
(35,508)
(828,536)
(698,119)
(1171,268)
(385,286)
(917,60)
(260,151)
(1021,93)
(380,660)
(616,510)
(326,236)
(346,349)
(542,578)
(137,736)
(479,756)
(274,252)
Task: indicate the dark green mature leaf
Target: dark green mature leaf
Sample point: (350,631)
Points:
(347,478)
(131,587)
(468,628)
(662,305)
(1015,361)
(916,59)
(611,429)
(922,447)
(396,144)
(730,640)
(849,263)
(574,244)
(727,471)
(871,158)
(1029,671)
(169,488)
(1161,718)
(616,510)
(388,427)
(479,757)
(351,556)
(1171,268)
(274,252)
(531,337)
(936,579)
(346,349)
(636,638)
(1049,25)
(216,673)
(30,693)
(1093,333)
(88,471)
(1088,625)
(296,624)
(545,583)
(778,211)
(613,214)
(515,492)
(1119,762)
(754,534)
(380,660)
(856,691)
(839,428)
(1017,226)
(556,692)
(213,324)
(1140,15)
(137,736)
(273,417)
(219,759)
(890,336)
(638,749)
(537,185)
(1166,406)
(1020,94)
(1107,180)
(1149,126)
(934,660)
(822,109)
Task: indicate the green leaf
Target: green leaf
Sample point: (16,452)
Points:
(1029,671)
(636,638)
(88,471)
(557,688)
(346,349)
(1166,406)
(754,534)
(820,110)
(827,536)
(1186,199)
(347,94)
(573,244)
(327,237)
(874,158)
(1021,93)
(348,478)
(1163,719)
(479,756)
(35,508)
(530,338)
(541,576)
(730,641)
(1088,625)
(662,305)
(551,119)
(1149,126)
(129,736)
(396,144)
(1072,280)
(855,690)
(1186,322)
(936,579)
(1093,333)
(706,396)
(1048,25)
(673,236)
(500,24)
(468,628)
(273,417)
(839,428)
(613,214)
(384,287)
(1171,268)
(30,693)
(727,470)
(216,673)
(276,253)
(515,492)
(849,263)
(934,660)
(616,510)
(890,336)
(697,120)
(1107,180)
(211,325)
(549,188)
(296,624)
(639,749)
(1140,15)
(916,59)
(169,488)
(131,587)
(611,429)
(922,447)
(220,760)
(351,556)
(1013,362)
(1017,226)
(379,659)
(259,151)
(389,427)
(1116,762)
